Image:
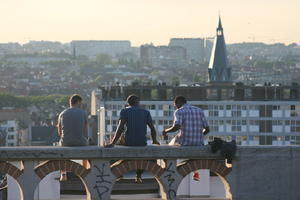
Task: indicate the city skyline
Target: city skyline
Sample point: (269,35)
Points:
(149,21)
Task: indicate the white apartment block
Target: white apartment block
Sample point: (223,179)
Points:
(269,116)
(11,127)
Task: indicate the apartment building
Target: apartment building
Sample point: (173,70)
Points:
(252,115)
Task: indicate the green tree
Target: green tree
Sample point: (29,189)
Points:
(103,59)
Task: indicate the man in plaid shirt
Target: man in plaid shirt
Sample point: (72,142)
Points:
(191,123)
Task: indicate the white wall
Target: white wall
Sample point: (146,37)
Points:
(217,189)
(253,113)
(189,187)
(48,188)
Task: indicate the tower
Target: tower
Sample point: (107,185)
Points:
(218,68)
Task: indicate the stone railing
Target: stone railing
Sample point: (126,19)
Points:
(260,173)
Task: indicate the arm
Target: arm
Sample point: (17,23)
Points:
(173,128)
(85,130)
(206,130)
(153,133)
(119,131)
(176,125)
(59,129)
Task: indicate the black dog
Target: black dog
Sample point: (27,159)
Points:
(227,149)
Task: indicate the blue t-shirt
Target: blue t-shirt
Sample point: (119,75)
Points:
(136,123)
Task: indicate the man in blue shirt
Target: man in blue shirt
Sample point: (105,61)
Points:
(136,121)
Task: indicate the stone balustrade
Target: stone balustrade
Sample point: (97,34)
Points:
(258,172)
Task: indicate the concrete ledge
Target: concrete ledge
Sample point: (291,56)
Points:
(95,152)
(156,152)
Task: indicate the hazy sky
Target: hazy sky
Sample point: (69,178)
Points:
(145,21)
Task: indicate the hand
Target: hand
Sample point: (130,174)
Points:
(155,142)
(109,145)
(205,131)
(164,133)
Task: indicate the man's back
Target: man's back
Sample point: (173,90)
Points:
(136,123)
(73,122)
(192,122)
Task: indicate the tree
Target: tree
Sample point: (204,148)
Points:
(103,59)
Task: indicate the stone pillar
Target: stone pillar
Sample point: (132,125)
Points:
(28,180)
(100,180)
(169,180)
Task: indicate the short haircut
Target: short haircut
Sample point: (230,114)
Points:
(180,99)
(133,100)
(75,98)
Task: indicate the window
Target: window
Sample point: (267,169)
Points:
(10,137)
(236,113)
(108,107)
(213,113)
(11,129)
(254,122)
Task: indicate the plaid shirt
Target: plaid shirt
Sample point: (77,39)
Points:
(192,121)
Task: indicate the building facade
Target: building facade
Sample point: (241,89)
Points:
(197,49)
(252,115)
(163,56)
(10,130)
(95,47)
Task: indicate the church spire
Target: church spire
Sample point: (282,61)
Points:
(220,24)
(218,68)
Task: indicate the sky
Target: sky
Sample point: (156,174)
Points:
(149,21)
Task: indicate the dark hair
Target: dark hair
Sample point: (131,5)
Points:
(75,98)
(180,100)
(133,100)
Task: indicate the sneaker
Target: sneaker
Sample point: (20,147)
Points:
(196,176)
(119,178)
(63,177)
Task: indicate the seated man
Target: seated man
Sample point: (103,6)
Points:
(72,127)
(191,123)
(136,120)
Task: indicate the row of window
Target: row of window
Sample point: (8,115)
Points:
(148,107)
(160,122)
(292,123)
(253,122)
(260,140)
(208,107)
